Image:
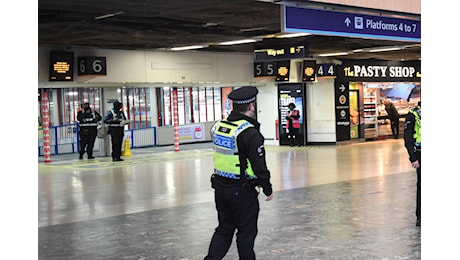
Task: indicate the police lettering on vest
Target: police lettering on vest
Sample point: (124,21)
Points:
(226,159)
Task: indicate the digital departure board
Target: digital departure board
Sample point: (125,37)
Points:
(61,66)
(308,70)
(282,70)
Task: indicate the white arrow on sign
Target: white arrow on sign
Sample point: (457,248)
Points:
(347,21)
(342,88)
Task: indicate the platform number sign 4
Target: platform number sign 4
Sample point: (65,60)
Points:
(326,70)
(92,66)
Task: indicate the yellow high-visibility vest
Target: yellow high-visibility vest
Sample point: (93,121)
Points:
(226,160)
(418,125)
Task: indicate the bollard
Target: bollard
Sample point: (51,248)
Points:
(127,151)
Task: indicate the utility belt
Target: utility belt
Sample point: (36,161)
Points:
(115,125)
(87,125)
(225,183)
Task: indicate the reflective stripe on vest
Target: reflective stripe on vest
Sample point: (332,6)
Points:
(88,124)
(226,160)
(418,125)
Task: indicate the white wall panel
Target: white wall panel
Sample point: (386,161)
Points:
(320,111)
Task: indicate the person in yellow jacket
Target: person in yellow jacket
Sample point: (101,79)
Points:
(413,144)
(239,166)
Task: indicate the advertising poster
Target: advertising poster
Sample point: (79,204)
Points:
(290,93)
(191,133)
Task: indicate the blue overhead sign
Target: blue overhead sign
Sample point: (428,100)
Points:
(349,24)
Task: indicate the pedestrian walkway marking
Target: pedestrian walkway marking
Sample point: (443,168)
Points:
(151,158)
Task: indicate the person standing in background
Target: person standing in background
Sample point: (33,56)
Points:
(115,119)
(293,124)
(393,115)
(87,120)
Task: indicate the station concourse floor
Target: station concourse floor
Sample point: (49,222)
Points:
(353,201)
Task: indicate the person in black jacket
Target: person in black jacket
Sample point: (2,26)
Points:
(87,120)
(393,115)
(239,167)
(413,144)
(115,120)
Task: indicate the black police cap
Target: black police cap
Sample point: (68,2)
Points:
(243,95)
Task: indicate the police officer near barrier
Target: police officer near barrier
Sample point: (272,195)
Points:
(239,167)
(115,119)
(87,120)
(413,144)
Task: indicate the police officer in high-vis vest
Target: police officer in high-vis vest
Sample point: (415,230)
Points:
(413,144)
(87,120)
(115,119)
(239,167)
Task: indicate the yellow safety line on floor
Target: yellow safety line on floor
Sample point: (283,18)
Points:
(149,158)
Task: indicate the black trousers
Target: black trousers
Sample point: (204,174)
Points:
(87,139)
(294,135)
(236,210)
(395,127)
(117,134)
(418,210)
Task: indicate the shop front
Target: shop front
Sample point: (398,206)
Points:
(374,96)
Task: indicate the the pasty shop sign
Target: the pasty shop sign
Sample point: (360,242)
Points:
(380,71)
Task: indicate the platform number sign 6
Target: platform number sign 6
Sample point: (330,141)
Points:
(92,66)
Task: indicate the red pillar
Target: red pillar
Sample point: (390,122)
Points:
(46,127)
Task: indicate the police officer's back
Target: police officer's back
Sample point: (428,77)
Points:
(239,166)
(413,144)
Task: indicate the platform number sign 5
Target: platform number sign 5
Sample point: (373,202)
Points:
(265,69)
(92,66)
(326,70)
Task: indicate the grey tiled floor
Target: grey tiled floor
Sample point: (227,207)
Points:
(331,202)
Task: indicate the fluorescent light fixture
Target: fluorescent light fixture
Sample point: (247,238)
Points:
(238,42)
(333,54)
(292,35)
(192,47)
(107,15)
(385,49)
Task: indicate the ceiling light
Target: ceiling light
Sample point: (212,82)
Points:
(192,47)
(238,42)
(333,54)
(107,15)
(385,49)
(253,29)
(292,35)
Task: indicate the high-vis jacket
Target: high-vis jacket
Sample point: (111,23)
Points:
(418,125)
(294,117)
(109,118)
(88,119)
(226,159)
